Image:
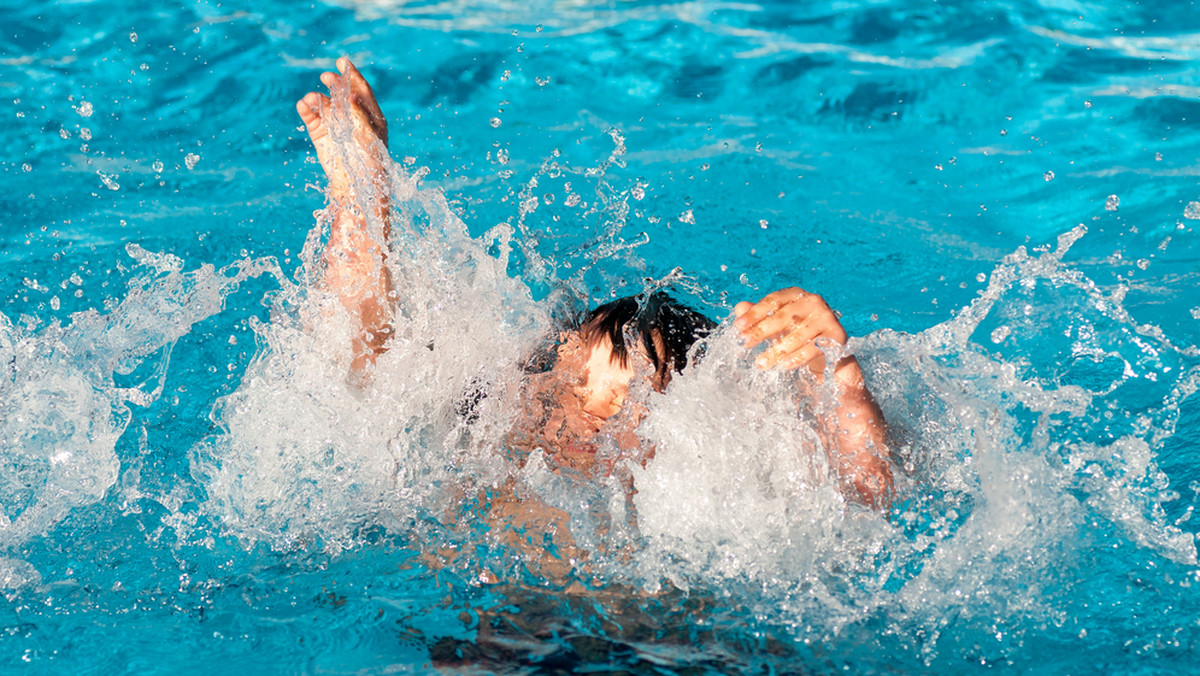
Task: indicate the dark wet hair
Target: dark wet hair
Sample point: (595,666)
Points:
(668,329)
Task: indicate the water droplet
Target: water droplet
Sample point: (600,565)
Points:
(190,160)
(981,278)
(758,147)
(704,167)
(55,303)
(1027,310)
(874,317)
(1000,334)
(1112,203)
(1192,211)
(938,167)
(762,223)
(1196,312)
(133,37)
(85,134)
(1049,175)
(687,217)
(1158,157)
(157,166)
(1087,104)
(84,109)
(538,28)
(1143,263)
(26,167)
(144,67)
(542,81)
(64,134)
(637,192)
(1004,132)
(505,75)
(572,200)
(502,156)
(110,182)
(495,122)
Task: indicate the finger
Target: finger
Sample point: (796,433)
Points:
(365,96)
(331,80)
(787,345)
(310,109)
(811,355)
(766,306)
(779,323)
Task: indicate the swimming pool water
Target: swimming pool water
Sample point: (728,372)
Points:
(1000,197)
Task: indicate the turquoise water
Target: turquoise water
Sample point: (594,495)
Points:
(1001,199)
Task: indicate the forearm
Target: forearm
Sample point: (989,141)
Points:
(356,270)
(855,436)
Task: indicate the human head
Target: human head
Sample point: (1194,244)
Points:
(667,330)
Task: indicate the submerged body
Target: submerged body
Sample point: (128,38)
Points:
(579,398)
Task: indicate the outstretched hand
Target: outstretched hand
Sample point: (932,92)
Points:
(797,324)
(368,120)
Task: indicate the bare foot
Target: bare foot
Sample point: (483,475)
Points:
(369,126)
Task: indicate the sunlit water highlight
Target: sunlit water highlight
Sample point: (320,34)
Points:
(190,476)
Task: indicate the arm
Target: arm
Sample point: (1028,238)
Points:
(854,433)
(355,262)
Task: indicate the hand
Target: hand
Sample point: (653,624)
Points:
(368,121)
(796,323)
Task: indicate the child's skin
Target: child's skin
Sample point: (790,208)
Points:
(793,322)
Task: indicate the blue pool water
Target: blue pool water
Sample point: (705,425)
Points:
(1000,197)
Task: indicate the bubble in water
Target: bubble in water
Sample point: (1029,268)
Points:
(84,109)
(687,217)
(132,37)
(26,167)
(157,166)
(1192,211)
(1049,175)
(191,160)
(1000,334)
(1112,203)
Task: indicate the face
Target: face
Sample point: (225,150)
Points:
(602,382)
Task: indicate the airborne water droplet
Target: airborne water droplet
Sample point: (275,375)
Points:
(84,109)
(1049,175)
(1112,203)
(1192,211)
(687,217)
(157,166)
(190,160)
(1000,334)
(133,37)
(495,122)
